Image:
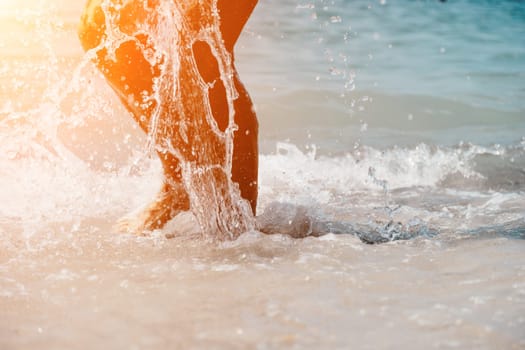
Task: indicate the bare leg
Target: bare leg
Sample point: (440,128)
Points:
(132,76)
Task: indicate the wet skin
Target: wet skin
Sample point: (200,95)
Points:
(132,75)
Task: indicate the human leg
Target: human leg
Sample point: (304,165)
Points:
(245,141)
(132,77)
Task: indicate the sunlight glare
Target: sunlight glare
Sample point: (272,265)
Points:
(4,4)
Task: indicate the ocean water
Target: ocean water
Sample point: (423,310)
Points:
(398,122)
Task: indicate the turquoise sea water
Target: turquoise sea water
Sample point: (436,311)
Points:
(447,64)
(467,51)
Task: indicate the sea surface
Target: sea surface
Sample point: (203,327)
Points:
(395,122)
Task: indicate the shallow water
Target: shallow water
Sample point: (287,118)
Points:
(410,151)
(96,290)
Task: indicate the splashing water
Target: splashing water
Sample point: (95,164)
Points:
(205,151)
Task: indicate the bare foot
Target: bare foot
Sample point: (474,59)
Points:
(171,200)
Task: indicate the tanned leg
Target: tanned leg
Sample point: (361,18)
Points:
(131,76)
(245,153)
(234,14)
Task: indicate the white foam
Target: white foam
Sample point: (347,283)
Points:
(62,189)
(293,175)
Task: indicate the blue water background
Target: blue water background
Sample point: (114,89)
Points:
(464,50)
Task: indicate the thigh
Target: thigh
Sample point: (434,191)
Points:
(126,69)
(234,14)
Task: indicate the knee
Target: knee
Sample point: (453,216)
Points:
(92,25)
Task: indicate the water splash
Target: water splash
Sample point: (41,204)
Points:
(205,152)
